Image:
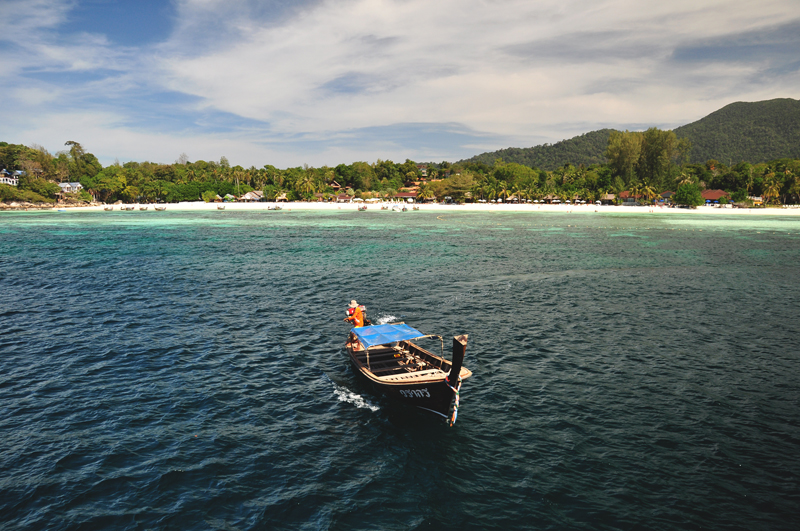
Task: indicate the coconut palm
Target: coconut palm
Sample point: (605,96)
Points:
(306,185)
(683,178)
(772,188)
(424,192)
(502,189)
(648,192)
(518,190)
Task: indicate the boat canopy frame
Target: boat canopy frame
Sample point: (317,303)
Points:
(377,335)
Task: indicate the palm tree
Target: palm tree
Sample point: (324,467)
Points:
(532,192)
(424,192)
(683,178)
(519,191)
(772,188)
(648,192)
(306,185)
(502,190)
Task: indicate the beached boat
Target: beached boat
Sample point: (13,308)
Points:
(108,208)
(393,364)
(142,208)
(220,207)
(160,208)
(362,208)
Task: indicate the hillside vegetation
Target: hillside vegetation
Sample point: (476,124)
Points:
(746,132)
(585,149)
(739,132)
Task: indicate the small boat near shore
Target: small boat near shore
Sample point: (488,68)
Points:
(393,364)
(142,208)
(220,207)
(108,208)
(160,208)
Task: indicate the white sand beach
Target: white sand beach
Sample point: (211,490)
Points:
(476,207)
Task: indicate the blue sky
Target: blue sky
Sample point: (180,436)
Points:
(326,82)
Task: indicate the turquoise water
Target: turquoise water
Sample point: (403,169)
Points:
(186,370)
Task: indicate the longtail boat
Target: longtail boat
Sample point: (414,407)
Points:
(393,364)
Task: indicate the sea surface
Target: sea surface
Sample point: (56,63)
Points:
(186,370)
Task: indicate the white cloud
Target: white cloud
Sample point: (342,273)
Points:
(360,63)
(334,81)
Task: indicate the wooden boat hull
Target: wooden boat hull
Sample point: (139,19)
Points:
(408,374)
(435,397)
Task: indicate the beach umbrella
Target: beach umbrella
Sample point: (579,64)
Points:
(357,199)
(597,202)
(567,201)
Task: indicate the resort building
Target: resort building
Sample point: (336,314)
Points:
(10,178)
(252,197)
(70,188)
(406,196)
(715,196)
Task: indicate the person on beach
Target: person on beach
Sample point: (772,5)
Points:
(355,315)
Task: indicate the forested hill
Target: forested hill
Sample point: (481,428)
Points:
(752,132)
(585,149)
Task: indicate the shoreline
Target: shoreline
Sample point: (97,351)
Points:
(190,206)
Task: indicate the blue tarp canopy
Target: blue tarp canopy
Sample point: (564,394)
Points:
(383,334)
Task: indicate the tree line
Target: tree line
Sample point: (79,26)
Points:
(643,163)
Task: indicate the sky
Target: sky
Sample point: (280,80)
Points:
(321,82)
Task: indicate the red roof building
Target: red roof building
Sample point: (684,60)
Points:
(715,195)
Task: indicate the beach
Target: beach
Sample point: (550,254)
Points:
(437,207)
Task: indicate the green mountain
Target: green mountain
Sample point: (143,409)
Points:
(585,149)
(750,132)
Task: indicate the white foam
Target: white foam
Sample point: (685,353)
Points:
(345,395)
(386,319)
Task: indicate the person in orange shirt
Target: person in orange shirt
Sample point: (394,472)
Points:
(355,315)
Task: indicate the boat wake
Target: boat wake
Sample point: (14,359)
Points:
(346,395)
(385,319)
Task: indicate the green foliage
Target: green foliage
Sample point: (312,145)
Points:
(688,194)
(11,154)
(623,153)
(585,149)
(751,132)
(39,186)
(209,196)
(739,196)
(13,193)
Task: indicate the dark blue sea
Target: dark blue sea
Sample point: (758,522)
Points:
(186,370)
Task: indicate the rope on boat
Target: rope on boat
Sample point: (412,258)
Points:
(456,391)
